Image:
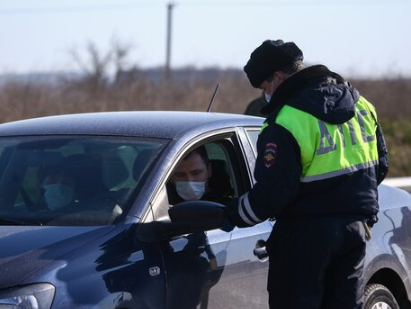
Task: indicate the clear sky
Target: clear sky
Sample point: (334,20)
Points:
(366,38)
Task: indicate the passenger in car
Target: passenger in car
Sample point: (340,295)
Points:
(198,178)
(58,188)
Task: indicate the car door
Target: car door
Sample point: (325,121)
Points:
(243,283)
(217,269)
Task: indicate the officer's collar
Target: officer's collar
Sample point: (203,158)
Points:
(297,82)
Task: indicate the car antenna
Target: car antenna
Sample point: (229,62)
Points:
(212,99)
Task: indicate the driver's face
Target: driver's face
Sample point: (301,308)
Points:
(192,168)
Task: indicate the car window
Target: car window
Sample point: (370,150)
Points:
(225,183)
(220,161)
(72,180)
(215,173)
(252,135)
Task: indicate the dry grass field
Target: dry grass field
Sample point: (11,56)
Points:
(193,91)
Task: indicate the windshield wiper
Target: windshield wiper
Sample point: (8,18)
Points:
(10,221)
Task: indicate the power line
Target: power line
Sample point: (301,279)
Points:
(236,4)
(76,9)
(290,3)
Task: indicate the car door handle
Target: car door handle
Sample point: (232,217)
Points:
(260,251)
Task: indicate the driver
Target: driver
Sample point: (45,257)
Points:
(196,178)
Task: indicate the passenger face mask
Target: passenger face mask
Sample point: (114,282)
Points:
(190,190)
(57,195)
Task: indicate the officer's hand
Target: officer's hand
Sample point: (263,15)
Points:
(227,226)
(233,217)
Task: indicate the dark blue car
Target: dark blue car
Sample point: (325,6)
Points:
(85,220)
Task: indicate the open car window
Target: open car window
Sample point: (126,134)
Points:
(221,187)
(71,180)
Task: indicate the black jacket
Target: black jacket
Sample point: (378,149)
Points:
(278,192)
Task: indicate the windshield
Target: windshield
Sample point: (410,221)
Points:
(71,180)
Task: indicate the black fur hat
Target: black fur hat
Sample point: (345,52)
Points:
(269,57)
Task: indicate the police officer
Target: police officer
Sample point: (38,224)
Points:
(255,106)
(321,155)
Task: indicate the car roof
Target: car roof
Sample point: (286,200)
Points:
(159,124)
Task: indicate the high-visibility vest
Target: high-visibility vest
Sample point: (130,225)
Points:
(330,150)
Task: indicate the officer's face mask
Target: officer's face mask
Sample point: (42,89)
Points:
(190,190)
(269,95)
(57,195)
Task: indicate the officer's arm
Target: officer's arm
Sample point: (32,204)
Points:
(277,173)
(383,162)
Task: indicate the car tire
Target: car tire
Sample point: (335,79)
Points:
(378,296)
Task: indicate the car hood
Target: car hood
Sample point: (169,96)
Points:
(27,249)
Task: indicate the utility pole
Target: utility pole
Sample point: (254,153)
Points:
(170,7)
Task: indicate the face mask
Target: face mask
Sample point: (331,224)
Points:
(268,96)
(190,190)
(57,195)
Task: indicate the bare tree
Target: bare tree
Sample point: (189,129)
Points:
(94,68)
(97,67)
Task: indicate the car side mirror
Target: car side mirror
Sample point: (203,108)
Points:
(197,215)
(186,217)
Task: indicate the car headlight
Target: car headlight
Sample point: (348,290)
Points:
(36,296)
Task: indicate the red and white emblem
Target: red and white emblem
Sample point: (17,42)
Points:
(270,154)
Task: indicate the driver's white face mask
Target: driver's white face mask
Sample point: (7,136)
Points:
(190,190)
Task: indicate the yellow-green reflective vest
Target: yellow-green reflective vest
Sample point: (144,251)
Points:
(330,150)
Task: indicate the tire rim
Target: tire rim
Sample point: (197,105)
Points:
(381,305)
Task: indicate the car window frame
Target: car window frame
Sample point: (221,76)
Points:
(231,140)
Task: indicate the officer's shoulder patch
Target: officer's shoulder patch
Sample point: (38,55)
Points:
(270,154)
